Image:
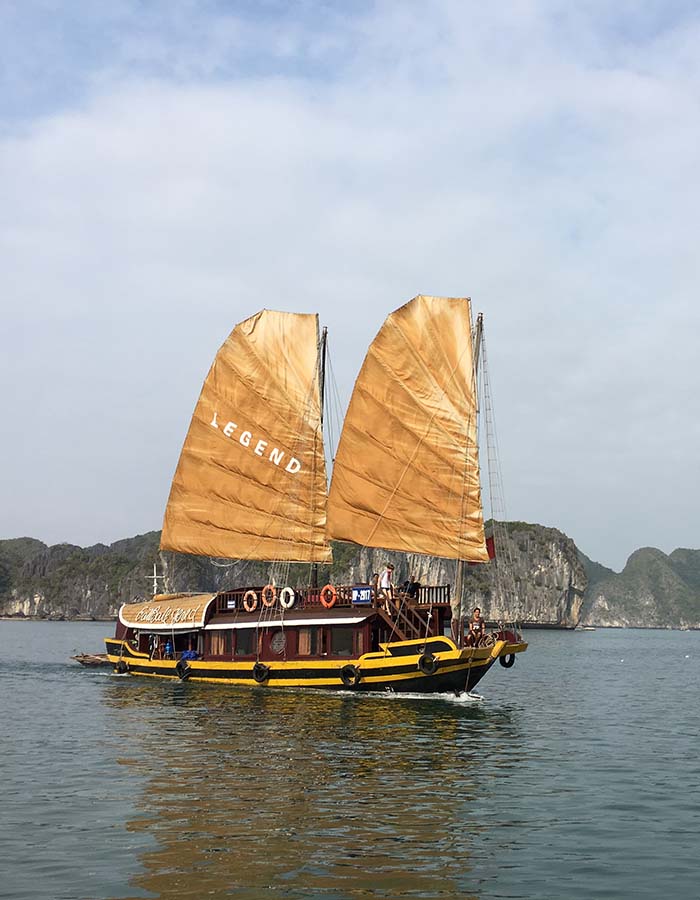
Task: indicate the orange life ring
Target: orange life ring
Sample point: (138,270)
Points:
(328,589)
(250,601)
(268,595)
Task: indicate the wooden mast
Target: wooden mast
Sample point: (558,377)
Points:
(459,575)
(321,392)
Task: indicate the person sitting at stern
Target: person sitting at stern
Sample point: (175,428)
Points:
(477,628)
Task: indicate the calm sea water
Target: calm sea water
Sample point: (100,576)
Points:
(576,776)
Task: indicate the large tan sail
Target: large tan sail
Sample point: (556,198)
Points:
(406,474)
(251,479)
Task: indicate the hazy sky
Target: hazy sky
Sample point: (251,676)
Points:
(169,168)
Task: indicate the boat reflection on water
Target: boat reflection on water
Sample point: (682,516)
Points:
(256,793)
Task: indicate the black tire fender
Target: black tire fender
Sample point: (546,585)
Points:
(121,667)
(507,661)
(428,664)
(261,672)
(183,669)
(350,675)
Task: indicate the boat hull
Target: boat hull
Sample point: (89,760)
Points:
(401,668)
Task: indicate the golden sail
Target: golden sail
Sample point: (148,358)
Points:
(406,474)
(251,479)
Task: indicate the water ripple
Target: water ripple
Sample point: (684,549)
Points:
(575,776)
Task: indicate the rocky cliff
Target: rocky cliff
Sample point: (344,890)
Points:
(538,577)
(652,591)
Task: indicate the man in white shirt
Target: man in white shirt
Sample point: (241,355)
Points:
(386,587)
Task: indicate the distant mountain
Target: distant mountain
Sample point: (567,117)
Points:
(542,579)
(653,590)
(595,572)
(65,581)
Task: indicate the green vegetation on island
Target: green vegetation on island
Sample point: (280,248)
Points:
(542,578)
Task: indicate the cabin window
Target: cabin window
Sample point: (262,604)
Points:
(309,641)
(341,641)
(245,642)
(220,643)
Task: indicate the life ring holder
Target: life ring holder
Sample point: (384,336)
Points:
(261,672)
(428,664)
(183,669)
(250,601)
(507,661)
(328,589)
(287,598)
(268,595)
(350,675)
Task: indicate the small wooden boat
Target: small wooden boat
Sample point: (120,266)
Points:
(92,659)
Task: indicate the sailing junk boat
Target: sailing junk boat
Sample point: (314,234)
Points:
(251,485)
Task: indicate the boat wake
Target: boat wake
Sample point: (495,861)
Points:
(448,696)
(470,697)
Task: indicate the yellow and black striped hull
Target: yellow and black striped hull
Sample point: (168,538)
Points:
(434,665)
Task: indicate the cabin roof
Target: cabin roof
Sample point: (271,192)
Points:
(167,613)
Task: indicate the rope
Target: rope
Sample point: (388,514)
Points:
(497,498)
(427,622)
(469,670)
(394,624)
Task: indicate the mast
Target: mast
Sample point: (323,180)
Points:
(155,578)
(478,334)
(321,392)
(475,337)
(322,369)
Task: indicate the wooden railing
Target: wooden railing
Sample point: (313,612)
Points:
(412,609)
(431,594)
(413,621)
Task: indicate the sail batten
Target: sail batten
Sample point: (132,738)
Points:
(251,479)
(406,474)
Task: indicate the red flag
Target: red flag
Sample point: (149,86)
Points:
(490,549)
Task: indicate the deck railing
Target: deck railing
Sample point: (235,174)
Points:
(310,598)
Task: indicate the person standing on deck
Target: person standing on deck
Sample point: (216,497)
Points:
(413,589)
(386,587)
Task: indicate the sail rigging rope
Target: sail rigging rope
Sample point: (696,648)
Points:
(280,571)
(504,564)
(333,417)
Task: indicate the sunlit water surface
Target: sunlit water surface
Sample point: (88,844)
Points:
(576,776)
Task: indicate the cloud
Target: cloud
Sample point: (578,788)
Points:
(196,166)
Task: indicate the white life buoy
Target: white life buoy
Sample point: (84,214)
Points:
(287,598)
